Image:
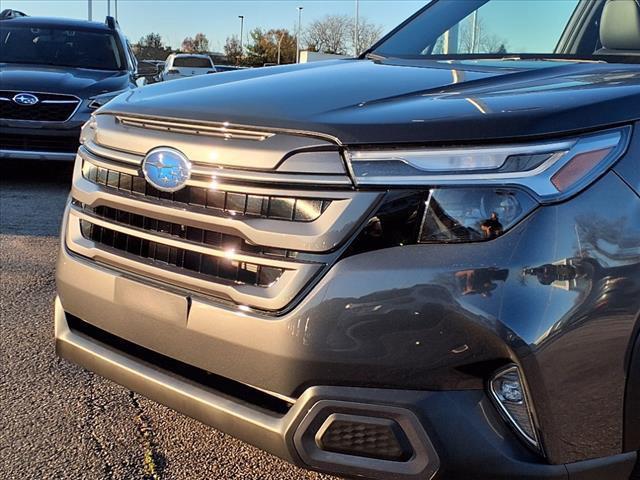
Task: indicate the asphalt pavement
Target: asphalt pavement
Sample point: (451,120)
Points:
(58,421)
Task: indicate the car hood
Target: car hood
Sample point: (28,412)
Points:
(83,83)
(381,102)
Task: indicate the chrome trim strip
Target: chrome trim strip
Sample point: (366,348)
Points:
(93,152)
(223,130)
(59,101)
(5,99)
(111,154)
(88,156)
(267,177)
(305,133)
(36,155)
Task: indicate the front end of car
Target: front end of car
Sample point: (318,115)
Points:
(379,311)
(38,125)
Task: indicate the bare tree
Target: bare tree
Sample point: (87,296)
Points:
(479,39)
(201,43)
(368,34)
(197,44)
(331,34)
(232,49)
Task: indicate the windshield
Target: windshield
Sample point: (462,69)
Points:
(60,47)
(498,29)
(192,62)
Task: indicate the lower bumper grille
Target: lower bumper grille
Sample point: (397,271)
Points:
(44,143)
(223,385)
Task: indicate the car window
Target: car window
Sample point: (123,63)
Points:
(507,26)
(473,27)
(60,46)
(192,62)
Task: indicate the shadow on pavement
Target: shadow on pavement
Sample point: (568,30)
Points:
(32,197)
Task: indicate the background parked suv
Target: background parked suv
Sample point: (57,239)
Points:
(53,73)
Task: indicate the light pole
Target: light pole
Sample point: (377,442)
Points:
(355,40)
(241,17)
(109,8)
(298,35)
(279,44)
(89,12)
(115,4)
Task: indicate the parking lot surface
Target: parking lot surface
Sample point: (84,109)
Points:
(60,421)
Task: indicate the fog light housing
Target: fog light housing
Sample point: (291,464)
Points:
(509,392)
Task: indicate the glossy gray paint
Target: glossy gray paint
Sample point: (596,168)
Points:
(397,318)
(405,101)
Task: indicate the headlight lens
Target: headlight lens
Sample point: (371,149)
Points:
(471,195)
(101,100)
(443,215)
(551,171)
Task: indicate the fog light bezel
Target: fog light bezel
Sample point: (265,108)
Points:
(534,441)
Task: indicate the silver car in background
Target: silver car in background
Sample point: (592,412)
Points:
(182,65)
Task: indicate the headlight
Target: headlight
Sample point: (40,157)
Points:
(102,99)
(549,170)
(455,195)
(88,130)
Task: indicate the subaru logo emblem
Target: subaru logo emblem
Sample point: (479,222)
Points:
(25,99)
(166,169)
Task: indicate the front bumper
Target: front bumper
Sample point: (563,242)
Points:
(50,141)
(453,434)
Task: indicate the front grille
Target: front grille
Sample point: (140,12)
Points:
(39,143)
(190,261)
(50,107)
(229,202)
(254,234)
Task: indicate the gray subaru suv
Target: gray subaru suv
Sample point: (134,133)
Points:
(420,263)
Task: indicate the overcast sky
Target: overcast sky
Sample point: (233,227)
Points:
(217,19)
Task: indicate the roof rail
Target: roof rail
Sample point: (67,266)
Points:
(111,22)
(9,13)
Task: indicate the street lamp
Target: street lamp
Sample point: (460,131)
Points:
(241,17)
(279,44)
(89,11)
(298,35)
(355,40)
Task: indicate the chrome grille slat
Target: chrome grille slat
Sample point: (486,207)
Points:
(221,269)
(185,236)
